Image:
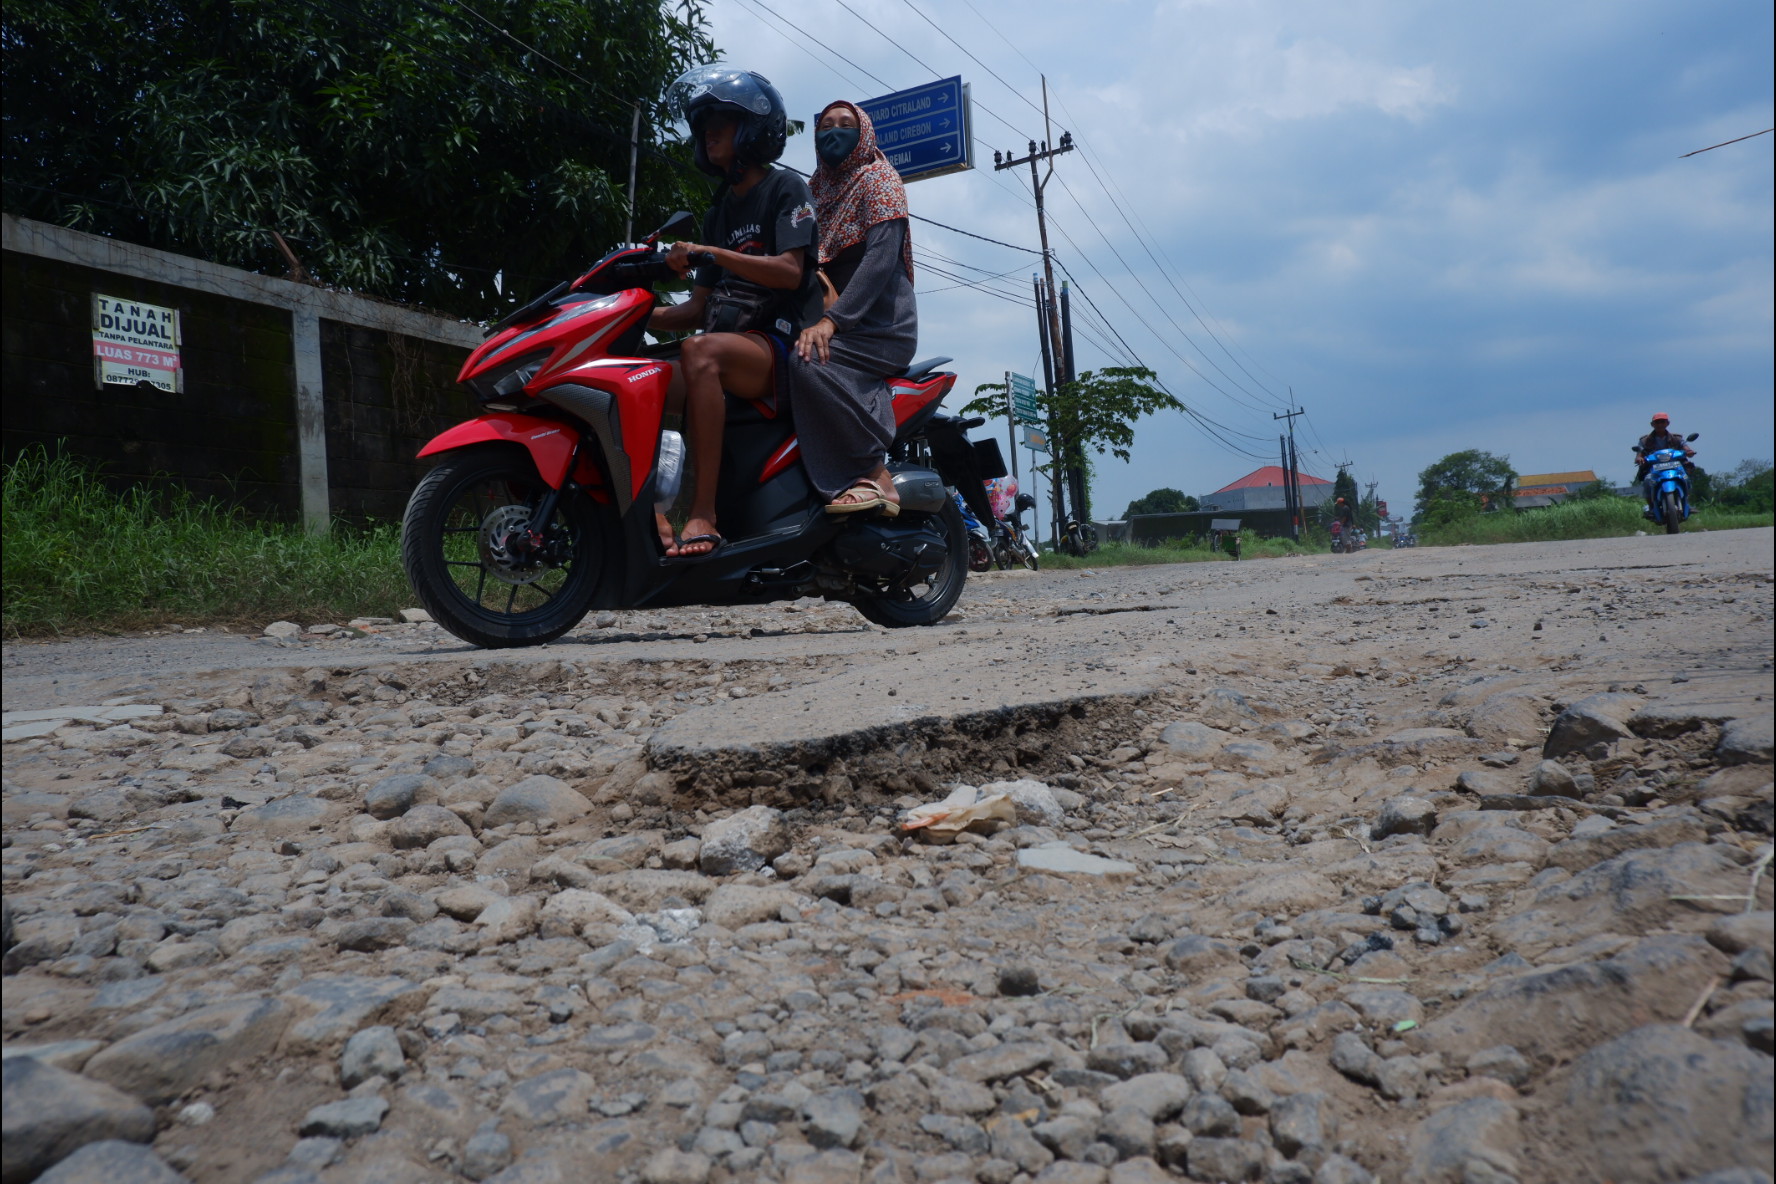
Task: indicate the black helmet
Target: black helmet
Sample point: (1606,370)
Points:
(764,121)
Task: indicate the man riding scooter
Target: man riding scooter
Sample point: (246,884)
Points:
(1660,437)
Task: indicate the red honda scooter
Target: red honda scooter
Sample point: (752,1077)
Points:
(543,508)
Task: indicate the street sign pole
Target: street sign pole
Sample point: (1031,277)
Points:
(1011,426)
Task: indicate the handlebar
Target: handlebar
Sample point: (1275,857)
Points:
(970,424)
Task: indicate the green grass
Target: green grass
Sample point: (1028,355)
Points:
(1169,551)
(81,557)
(1598,518)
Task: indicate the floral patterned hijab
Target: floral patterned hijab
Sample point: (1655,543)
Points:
(862,191)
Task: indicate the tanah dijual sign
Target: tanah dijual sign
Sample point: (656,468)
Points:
(135,342)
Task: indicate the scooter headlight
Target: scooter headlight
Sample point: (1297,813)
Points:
(507,383)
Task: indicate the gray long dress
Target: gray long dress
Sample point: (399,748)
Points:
(842,407)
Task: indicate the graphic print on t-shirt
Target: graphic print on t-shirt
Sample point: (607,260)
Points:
(775,216)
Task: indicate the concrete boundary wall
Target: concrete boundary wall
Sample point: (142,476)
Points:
(306,305)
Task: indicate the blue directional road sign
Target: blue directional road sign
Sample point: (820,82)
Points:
(926,131)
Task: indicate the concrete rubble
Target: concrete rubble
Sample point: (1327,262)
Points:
(1307,896)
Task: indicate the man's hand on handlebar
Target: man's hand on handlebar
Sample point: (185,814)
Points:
(684,256)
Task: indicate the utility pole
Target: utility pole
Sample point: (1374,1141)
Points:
(1075,466)
(634,156)
(1052,345)
(1289,506)
(1292,467)
(1048,377)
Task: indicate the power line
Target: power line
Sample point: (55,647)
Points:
(1118,199)
(1119,202)
(922,65)
(1140,283)
(1724,143)
(1207,424)
(946,36)
(777,17)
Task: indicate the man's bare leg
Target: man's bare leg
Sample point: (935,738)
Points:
(742,364)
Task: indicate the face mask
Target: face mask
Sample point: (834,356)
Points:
(834,144)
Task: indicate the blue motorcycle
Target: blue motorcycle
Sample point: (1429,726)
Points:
(1667,486)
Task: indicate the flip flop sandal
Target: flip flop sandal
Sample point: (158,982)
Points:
(878,500)
(717,541)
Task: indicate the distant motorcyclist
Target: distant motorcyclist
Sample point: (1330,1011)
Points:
(1660,437)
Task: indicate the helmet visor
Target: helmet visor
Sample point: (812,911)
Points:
(722,83)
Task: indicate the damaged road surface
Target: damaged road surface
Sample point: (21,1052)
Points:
(1444,866)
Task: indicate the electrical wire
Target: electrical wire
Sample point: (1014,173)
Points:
(1118,199)
(922,64)
(1142,284)
(781,20)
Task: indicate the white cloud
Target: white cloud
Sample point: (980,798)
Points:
(1446,227)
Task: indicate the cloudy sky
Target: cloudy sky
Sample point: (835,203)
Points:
(1444,226)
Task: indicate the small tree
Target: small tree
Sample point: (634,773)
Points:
(1162,501)
(1097,410)
(1470,478)
(1343,486)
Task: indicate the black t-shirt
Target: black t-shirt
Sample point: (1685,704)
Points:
(772,217)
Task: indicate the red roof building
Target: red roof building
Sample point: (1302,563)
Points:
(1263,489)
(1269,475)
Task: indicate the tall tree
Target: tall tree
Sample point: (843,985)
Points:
(402,148)
(1464,482)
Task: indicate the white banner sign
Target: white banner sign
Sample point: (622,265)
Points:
(135,342)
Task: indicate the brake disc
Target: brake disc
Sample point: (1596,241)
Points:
(509,564)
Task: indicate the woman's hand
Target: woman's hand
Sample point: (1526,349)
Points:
(815,340)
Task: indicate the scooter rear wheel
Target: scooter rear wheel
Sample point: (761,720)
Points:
(939,594)
(1672,513)
(479,565)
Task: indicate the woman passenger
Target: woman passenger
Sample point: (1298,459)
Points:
(839,371)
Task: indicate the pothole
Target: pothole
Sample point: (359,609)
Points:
(872,765)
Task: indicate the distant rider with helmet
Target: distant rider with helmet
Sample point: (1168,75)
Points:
(761,287)
(1344,520)
(1660,437)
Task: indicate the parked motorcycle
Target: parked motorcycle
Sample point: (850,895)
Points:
(542,508)
(1667,486)
(980,542)
(1012,544)
(1078,538)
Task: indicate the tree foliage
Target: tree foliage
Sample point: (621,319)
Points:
(403,148)
(1464,482)
(1097,410)
(1590,491)
(1162,501)
(1749,488)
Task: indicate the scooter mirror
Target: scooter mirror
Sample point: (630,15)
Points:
(1692,435)
(680,224)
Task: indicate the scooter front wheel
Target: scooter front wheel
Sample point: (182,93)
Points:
(483,567)
(1672,513)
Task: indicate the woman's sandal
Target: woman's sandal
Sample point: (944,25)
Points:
(877,499)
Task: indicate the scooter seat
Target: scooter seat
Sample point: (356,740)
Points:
(923,367)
